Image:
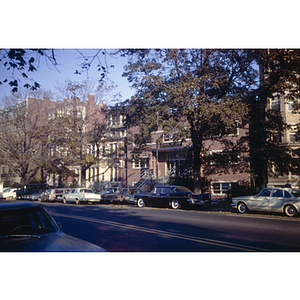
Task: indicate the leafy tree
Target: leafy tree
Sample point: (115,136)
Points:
(195,93)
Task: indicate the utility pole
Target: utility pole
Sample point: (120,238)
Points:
(156,162)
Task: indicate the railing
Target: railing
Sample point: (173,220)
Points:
(142,177)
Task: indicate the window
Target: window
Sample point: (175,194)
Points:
(141,163)
(287,194)
(277,193)
(157,191)
(265,193)
(165,191)
(293,134)
(220,188)
(275,103)
(219,157)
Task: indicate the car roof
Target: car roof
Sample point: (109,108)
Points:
(171,186)
(4,204)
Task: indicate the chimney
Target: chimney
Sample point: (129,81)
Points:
(91,97)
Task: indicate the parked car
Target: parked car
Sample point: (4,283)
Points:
(130,196)
(27,226)
(9,193)
(80,195)
(54,195)
(36,196)
(271,200)
(201,200)
(165,196)
(29,189)
(114,194)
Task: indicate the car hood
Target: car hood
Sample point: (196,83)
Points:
(57,242)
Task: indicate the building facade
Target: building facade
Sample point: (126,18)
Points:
(290,138)
(161,162)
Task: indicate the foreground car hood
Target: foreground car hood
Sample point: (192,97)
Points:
(57,242)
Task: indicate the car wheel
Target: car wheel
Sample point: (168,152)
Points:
(64,201)
(39,199)
(141,203)
(290,210)
(77,201)
(175,204)
(242,208)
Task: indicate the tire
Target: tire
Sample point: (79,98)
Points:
(77,201)
(141,203)
(64,201)
(290,210)
(175,204)
(39,199)
(242,208)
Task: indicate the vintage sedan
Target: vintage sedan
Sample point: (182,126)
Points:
(165,196)
(280,200)
(81,195)
(114,194)
(27,226)
(9,193)
(54,195)
(36,196)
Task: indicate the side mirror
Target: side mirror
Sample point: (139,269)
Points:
(59,225)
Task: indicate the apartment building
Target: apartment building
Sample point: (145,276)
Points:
(288,138)
(117,165)
(168,159)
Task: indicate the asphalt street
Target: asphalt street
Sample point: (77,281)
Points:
(124,228)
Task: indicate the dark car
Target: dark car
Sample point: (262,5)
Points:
(27,226)
(28,189)
(165,196)
(201,200)
(130,195)
(114,194)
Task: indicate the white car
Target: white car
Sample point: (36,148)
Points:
(271,200)
(9,193)
(81,195)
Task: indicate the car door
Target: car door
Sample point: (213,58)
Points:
(165,197)
(154,198)
(70,196)
(276,200)
(260,202)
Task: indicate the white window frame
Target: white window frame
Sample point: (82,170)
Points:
(221,193)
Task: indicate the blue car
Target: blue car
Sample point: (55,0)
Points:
(27,226)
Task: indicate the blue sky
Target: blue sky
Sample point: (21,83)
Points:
(68,60)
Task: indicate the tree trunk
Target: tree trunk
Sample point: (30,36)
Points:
(83,177)
(197,164)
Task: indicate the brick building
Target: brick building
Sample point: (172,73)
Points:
(160,162)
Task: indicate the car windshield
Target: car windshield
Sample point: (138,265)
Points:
(26,221)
